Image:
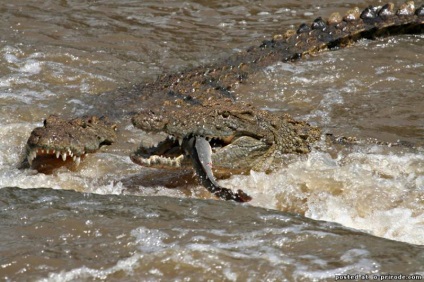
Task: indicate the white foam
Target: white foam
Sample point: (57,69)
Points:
(381,194)
(150,240)
(31,67)
(355,259)
(10,58)
(127,265)
(25,96)
(112,188)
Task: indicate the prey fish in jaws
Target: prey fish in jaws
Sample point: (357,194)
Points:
(200,151)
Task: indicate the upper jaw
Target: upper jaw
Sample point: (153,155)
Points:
(58,153)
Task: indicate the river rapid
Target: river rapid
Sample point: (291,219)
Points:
(340,210)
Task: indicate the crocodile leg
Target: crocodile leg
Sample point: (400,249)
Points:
(200,152)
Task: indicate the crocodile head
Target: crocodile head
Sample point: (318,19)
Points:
(62,142)
(241,136)
(234,137)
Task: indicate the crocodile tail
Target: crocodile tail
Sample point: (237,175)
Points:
(335,32)
(371,23)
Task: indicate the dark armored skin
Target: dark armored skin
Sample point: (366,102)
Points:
(198,110)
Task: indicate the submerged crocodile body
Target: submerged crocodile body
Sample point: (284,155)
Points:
(198,111)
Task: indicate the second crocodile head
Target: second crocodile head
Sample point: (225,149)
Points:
(241,136)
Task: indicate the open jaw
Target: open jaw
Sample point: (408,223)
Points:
(65,143)
(168,154)
(234,154)
(46,160)
(202,152)
(46,153)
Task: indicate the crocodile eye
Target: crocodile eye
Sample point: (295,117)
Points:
(247,113)
(225,114)
(92,120)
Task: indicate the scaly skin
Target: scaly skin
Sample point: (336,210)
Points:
(198,104)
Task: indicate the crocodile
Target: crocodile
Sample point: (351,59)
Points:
(234,137)
(198,111)
(60,140)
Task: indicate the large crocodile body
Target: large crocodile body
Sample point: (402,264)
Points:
(197,108)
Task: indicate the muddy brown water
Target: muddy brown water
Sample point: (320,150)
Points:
(357,210)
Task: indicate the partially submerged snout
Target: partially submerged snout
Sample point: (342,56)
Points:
(60,142)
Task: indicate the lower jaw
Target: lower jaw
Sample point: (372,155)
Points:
(157,161)
(220,172)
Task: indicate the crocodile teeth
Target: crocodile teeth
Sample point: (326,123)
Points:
(146,162)
(77,161)
(59,154)
(179,160)
(156,159)
(31,156)
(159,160)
